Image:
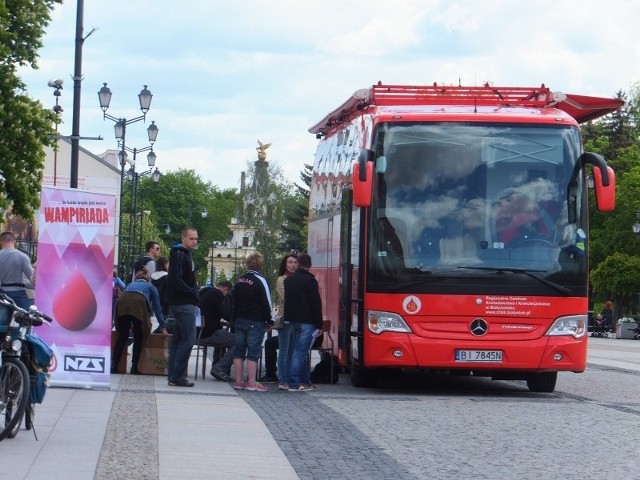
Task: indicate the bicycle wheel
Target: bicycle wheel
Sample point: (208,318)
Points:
(14,394)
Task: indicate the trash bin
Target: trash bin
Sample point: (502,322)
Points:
(626,330)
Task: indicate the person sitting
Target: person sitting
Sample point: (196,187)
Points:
(607,315)
(600,328)
(213,332)
(518,218)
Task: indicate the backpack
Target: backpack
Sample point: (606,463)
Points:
(138,264)
(41,357)
(161,286)
(322,371)
(228,308)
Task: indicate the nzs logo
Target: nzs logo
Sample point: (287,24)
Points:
(82,363)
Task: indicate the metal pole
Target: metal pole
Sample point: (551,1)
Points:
(77,79)
(134,212)
(141,217)
(123,162)
(213,283)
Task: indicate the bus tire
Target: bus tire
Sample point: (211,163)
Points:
(362,377)
(542,382)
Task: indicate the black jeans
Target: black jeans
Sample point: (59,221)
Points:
(271,356)
(124,324)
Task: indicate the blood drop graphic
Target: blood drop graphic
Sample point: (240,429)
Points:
(75,305)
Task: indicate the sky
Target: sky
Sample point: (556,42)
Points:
(226,74)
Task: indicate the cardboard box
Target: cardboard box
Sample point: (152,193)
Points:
(154,357)
(122,366)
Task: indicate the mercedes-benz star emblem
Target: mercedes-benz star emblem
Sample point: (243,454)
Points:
(478,327)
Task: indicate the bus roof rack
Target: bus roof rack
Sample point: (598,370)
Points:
(580,107)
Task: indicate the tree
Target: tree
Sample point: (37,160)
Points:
(617,278)
(616,137)
(296,224)
(26,127)
(265,202)
(178,196)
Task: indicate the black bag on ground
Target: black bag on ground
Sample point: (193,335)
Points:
(322,371)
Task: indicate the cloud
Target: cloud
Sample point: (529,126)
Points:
(225,74)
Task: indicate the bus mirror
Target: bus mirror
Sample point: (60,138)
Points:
(605,194)
(362,188)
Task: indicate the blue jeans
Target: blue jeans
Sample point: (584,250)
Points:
(249,335)
(285,353)
(299,370)
(223,339)
(21,298)
(182,341)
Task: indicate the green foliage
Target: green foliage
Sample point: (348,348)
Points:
(177,201)
(613,245)
(267,201)
(26,127)
(617,277)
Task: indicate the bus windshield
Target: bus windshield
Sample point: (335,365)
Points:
(477,208)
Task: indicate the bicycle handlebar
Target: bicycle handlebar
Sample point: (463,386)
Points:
(35,316)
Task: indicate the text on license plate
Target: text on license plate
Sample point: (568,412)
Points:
(478,356)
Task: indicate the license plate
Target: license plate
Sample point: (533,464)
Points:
(490,356)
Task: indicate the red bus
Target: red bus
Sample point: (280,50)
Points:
(448,230)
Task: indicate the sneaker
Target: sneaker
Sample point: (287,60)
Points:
(268,379)
(255,387)
(220,376)
(283,386)
(181,383)
(300,388)
(239,385)
(310,386)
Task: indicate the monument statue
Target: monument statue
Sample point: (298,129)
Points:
(262,150)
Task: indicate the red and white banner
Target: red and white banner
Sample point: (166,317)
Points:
(74,280)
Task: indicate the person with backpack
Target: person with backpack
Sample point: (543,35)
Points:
(148,260)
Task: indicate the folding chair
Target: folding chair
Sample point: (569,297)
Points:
(201,348)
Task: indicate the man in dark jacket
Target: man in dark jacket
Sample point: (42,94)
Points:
(303,308)
(182,297)
(213,332)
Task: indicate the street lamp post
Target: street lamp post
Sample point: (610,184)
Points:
(203,212)
(134,177)
(120,128)
(155,176)
(636,225)
(56,84)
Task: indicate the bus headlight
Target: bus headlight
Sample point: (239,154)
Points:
(379,322)
(574,325)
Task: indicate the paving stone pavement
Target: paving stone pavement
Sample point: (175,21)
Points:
(142,428)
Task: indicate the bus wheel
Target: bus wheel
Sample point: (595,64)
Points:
(542,382)
(362,377)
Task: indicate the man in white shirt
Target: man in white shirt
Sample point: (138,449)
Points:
(15,266)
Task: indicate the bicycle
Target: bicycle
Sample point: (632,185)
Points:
(21,384)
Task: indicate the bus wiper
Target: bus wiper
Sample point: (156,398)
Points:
(425,277)
(528,273)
